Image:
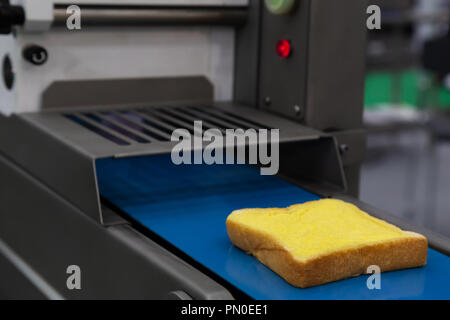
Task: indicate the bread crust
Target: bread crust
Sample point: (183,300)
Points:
(391,255)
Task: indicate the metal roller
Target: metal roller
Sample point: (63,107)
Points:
(148,16)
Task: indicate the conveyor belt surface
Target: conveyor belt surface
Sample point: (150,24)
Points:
(188,206)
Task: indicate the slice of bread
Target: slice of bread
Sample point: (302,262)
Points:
(323,241)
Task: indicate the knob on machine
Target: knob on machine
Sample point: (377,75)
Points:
(35,54)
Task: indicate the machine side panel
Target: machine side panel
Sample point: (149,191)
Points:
(14,284)
(248,37)
(52,161)
(283,81)
(336,65)
(116,263)
(77,93)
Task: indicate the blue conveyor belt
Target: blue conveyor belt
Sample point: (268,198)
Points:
(188,206)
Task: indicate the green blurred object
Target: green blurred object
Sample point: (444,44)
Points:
(280,6)
(378,89)
(444,98)
(408,88)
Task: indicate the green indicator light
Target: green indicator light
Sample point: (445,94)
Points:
(280,6)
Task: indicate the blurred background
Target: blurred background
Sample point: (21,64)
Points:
(407,113)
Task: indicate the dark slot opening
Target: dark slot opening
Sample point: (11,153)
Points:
(116,128)
(218,125)
(239,125)
(168,121)
(256,124)
(96,130)
(134,126)
(185,118)
(147,122)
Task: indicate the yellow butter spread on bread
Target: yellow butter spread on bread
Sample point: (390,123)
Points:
(322,241)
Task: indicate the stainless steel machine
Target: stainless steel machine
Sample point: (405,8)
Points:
(85,126)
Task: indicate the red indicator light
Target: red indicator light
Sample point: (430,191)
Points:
(284,48)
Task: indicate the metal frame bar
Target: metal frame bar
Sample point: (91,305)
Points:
(154,15)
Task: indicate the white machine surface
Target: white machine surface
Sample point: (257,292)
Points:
(114,53)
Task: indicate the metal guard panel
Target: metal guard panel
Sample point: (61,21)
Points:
(60,147)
